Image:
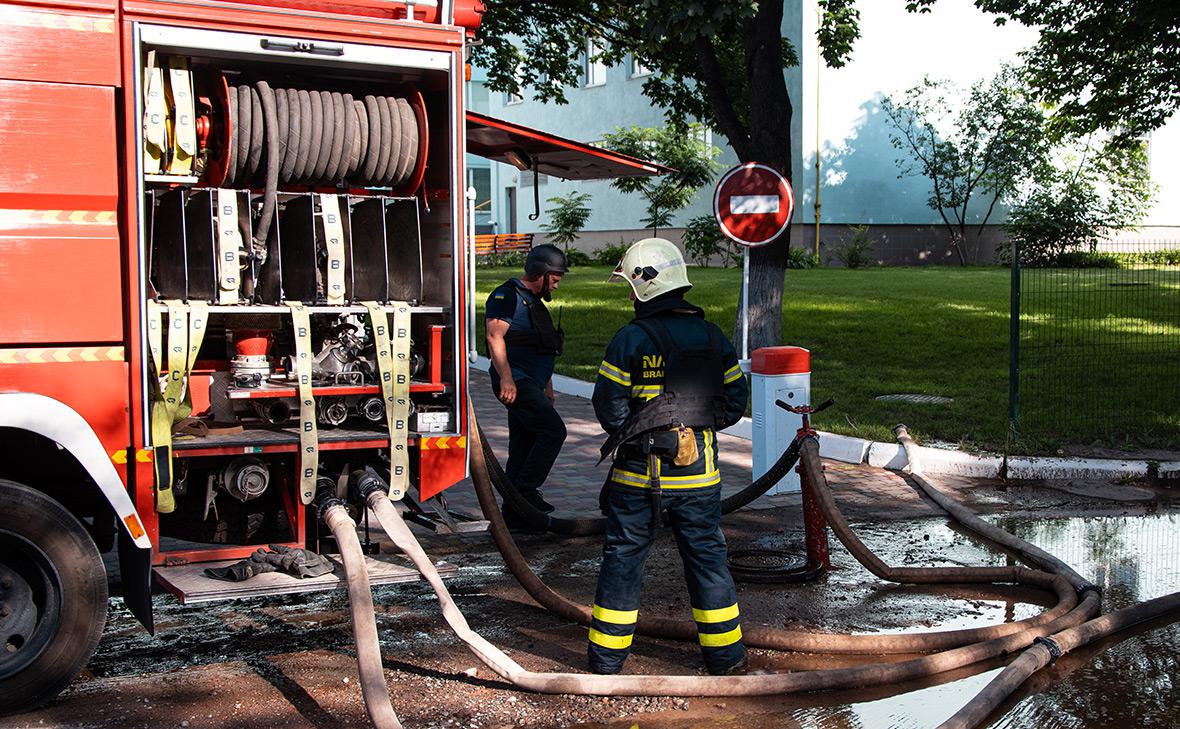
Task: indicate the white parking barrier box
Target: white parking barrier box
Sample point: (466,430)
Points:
(777,373)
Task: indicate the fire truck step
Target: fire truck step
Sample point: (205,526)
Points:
(190,585)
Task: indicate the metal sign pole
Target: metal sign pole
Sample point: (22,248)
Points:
(745,308)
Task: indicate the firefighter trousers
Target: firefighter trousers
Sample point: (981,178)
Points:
(695,517)
(536,433)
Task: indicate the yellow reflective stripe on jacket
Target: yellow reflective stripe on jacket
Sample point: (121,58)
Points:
(614,374)
(647,392)
(720,615)
(617,617)
(639,480)
(717,640)
(733,374)
(614,642)
(710,438)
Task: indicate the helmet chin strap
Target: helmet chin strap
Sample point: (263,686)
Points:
(545,291)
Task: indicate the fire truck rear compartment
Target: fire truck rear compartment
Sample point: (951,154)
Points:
(307,173)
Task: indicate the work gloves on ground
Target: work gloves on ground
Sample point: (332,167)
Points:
(297,562)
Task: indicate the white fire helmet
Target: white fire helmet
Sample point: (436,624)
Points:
(653,266)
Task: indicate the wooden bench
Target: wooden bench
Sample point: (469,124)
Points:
(502,243)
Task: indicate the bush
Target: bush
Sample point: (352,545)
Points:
(567,217)
(703,239)
(800,258)
(854,253)
(575,257)
(512,259)
(610,254)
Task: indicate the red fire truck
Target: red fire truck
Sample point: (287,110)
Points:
(233,266)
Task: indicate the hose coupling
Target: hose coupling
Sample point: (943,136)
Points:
(900,429)
(366,481)
(325,496)
(1051,645)
(1089,587)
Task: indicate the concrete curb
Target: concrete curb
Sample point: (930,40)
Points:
(934,460)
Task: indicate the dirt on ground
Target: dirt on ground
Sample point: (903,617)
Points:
(289,661)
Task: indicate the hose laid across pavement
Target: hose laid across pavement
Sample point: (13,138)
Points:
(1044,651)
(364,620)
(793,640)
(644,685)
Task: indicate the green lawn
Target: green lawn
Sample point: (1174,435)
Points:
(871,332)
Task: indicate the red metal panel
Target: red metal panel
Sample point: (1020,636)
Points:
(60,289)
(440,469)
(96,390)
(57,145)
(43,44)
(305,23)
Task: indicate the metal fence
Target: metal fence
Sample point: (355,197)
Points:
(1095,357)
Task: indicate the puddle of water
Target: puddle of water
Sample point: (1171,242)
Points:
(1129,685)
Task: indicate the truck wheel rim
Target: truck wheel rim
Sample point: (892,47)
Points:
(30,603)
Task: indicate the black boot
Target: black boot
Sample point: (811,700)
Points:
(537,501)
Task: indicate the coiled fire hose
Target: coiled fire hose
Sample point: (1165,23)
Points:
(537,519)
(310,137)
(364,621)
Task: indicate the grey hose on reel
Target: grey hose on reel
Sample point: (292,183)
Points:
(315,137)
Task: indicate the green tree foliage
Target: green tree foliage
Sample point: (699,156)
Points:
(1100,64)
(974,148)
(1092,190)
(703,240)
(691,160)
(567,217)
(720,63)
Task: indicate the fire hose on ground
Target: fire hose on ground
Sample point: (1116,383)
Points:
(1067,622)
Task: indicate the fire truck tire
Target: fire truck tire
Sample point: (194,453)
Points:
(53,597)
(395,136)
(373,148)
(408,152)
(306,131)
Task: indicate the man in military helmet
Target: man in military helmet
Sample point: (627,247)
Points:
(668,381)
(523,344)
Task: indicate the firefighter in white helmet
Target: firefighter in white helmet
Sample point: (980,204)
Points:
(668,381)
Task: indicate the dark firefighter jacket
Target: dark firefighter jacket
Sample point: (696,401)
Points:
(632,373)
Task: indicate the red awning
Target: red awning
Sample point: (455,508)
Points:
(523,148)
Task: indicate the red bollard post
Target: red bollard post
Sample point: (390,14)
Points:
(815,527)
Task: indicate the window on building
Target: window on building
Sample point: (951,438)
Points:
(595,68)
(638,69)
(481,179)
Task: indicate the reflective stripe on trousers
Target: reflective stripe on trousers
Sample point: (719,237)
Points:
(696,525)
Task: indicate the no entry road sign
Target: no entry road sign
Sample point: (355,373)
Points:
(753,204)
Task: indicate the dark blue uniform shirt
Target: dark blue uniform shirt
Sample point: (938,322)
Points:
(505,303)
